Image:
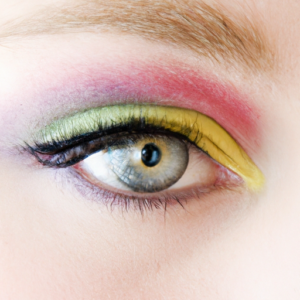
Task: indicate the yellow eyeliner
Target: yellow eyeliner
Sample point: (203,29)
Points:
(198,128)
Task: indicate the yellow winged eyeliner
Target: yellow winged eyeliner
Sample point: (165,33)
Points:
(201,130)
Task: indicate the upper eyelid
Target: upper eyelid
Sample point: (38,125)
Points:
(200,129)
(87,148)
(55,146)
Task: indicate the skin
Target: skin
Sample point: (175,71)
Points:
(57,244)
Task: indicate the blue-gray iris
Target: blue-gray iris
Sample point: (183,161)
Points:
(149,164)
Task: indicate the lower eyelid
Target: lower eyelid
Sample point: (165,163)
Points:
(117,203)
(129,201)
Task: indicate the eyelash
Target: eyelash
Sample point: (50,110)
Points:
(162,200)
(44,152)
(104,137)
(194,126)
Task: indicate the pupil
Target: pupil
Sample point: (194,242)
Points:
(151,155)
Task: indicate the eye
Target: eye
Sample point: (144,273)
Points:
(143,165)
(150,164)
(147,153)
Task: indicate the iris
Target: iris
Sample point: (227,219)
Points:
(144,164)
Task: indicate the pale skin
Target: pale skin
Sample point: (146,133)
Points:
(56,244)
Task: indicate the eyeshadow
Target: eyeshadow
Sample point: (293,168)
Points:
(168,83)
(198,128)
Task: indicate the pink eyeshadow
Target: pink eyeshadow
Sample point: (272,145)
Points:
(109,84)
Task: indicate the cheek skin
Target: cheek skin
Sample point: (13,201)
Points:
(66,242)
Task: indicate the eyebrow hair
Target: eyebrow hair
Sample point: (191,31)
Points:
(195,25)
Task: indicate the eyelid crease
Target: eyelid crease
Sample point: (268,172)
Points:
(201,130)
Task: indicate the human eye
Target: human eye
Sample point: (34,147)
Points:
(145,154)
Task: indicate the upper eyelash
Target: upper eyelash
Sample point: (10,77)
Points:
(56,148)
(196,127)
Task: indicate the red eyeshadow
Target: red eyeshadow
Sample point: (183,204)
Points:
(188,89)
(115,83)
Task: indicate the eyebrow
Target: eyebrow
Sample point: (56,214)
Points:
(195,25)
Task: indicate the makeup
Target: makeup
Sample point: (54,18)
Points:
(197,128)
(161,83)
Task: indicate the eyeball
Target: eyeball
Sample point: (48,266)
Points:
(151,164)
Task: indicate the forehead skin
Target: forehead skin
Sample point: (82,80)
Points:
(57,246)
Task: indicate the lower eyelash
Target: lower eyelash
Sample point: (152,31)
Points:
(128,203)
